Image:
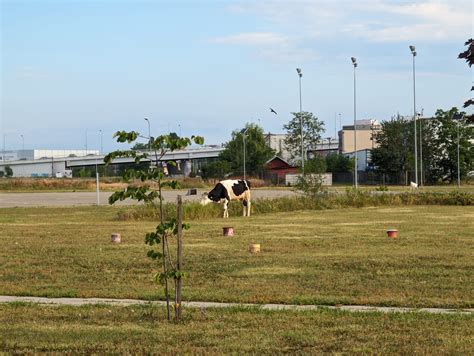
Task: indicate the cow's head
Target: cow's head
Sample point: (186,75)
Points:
(205,199)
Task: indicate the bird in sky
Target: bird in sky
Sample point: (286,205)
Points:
(273,111)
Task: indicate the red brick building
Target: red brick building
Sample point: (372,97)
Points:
(276,168)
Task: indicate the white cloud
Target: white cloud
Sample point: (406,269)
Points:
(293,28)
(425,21)
(372,20)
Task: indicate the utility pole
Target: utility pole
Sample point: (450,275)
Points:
(458,117)
(101,146)
(3,151)
(300,74)
(22,146)
(413,51)
(420,119)
(354,63)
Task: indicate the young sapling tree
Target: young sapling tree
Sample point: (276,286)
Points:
(152,195)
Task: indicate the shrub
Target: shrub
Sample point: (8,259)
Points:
(8,171)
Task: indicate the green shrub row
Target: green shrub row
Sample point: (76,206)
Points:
(352,198)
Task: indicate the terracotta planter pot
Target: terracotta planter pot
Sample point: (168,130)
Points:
(392,233)
(254,248)
(228,231)
(115,238)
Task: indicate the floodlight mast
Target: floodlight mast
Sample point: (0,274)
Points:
(413,52)
(244,133)
(300,74)
(458,117)
(354,63)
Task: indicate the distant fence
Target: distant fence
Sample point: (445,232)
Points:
(347,178)
(371,178)
(292,179)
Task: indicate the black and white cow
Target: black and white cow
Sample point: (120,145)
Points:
(227,190)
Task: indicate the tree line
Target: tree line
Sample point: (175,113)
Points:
(437,153)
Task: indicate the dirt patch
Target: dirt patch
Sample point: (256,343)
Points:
(396,210)
(267,271)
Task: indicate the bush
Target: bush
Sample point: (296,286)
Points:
(310,184)
(8,171)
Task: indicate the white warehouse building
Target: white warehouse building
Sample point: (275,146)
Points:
(29,155)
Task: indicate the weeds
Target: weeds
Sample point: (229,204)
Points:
(324,200)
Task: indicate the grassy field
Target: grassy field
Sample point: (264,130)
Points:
(142,329)
(309,257)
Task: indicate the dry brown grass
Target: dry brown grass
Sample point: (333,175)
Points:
(80,184)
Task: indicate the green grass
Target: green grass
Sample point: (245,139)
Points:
(339,256)
(27,328)
(325,200)
(467,187)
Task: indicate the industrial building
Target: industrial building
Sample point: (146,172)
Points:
(277,143)
(365,131)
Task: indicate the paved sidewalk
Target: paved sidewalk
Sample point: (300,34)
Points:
(125,302)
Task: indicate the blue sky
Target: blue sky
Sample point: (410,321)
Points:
(72,68)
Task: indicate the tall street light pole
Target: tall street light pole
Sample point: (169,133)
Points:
(149,134)
(420,117)
(413,52)
(101,145)
(300,74)
(244,133)
(3,146)
(458,117)
(22,146)
(354,63)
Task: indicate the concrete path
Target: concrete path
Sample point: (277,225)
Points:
(125,302)
(10,200)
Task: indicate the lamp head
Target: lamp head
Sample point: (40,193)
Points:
(413,50)
(354,61)
(300,73)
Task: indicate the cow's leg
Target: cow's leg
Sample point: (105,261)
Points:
(226,211)
(246,204)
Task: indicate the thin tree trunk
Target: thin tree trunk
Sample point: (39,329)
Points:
(179,261)
(163,247)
